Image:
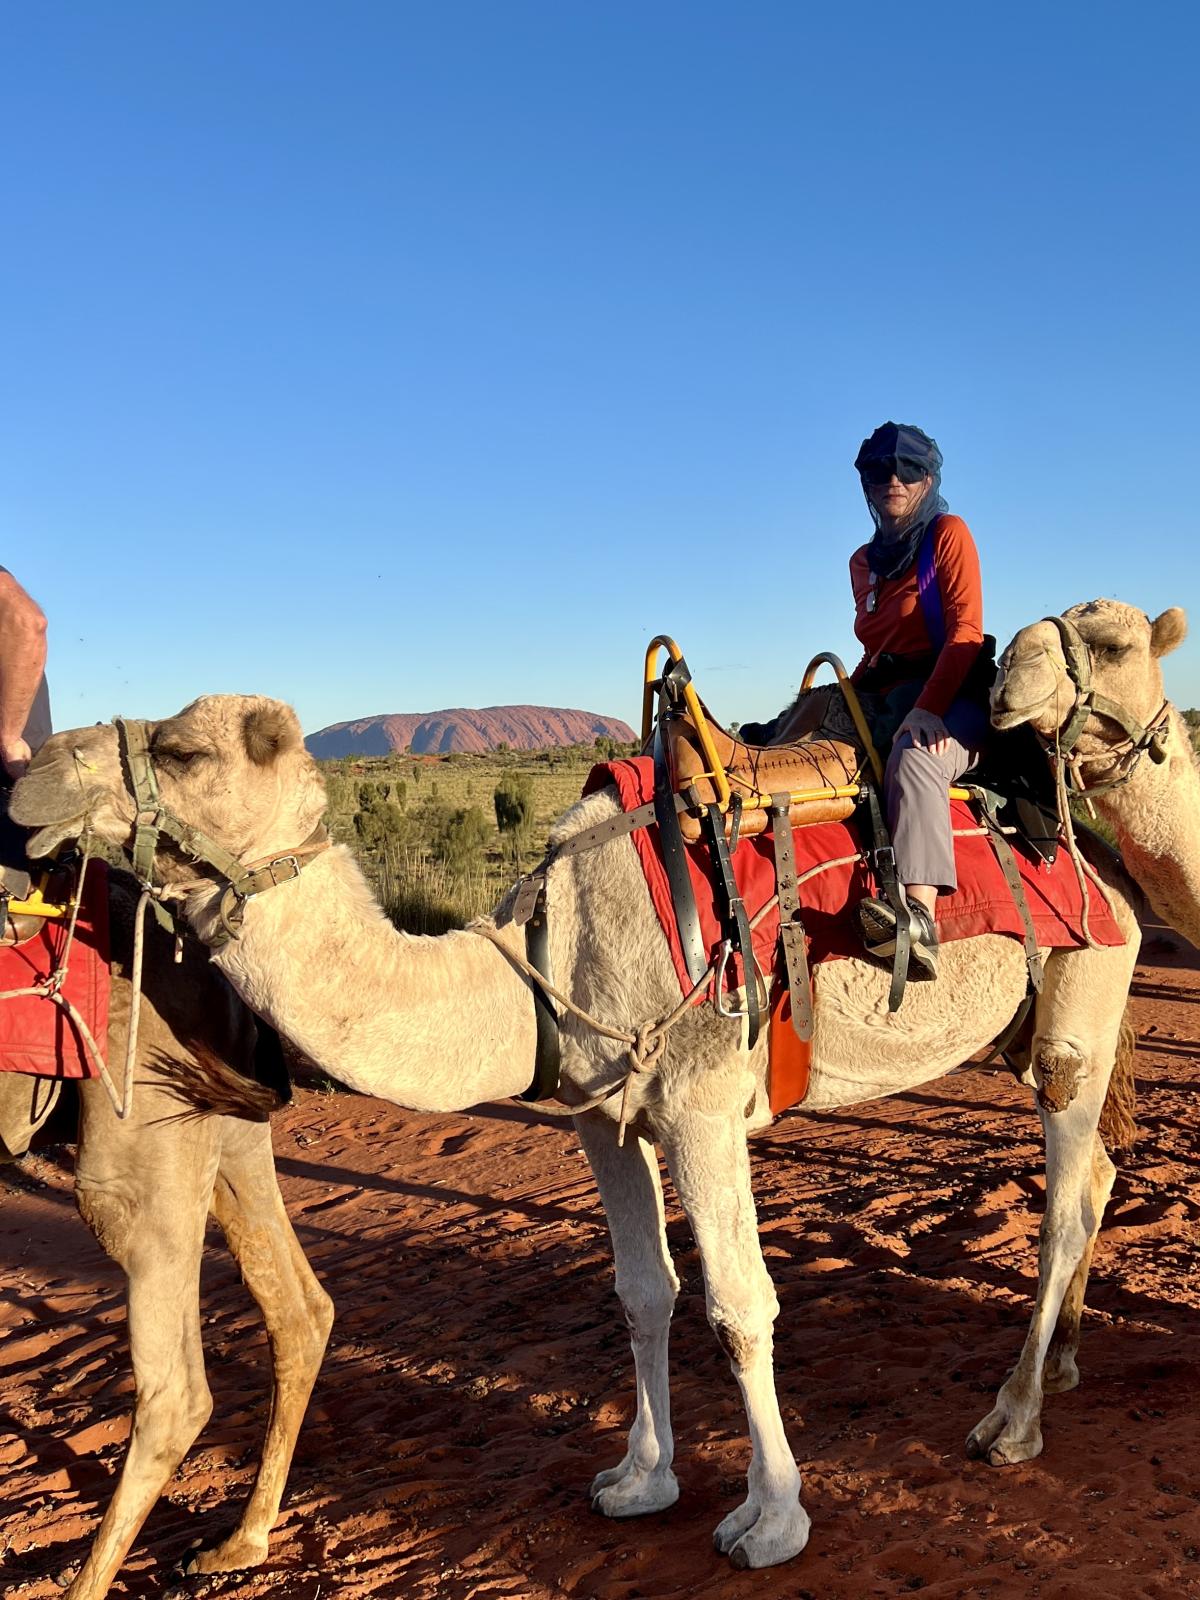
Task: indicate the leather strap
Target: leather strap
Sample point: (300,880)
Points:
(675,860)
(1012,877)
(791,928)
(734,918)
(883,860)
(548,1057)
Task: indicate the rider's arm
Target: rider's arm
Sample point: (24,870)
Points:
(22,663)
(962,609)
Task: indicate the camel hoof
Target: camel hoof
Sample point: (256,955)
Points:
(1060,1374)
(629,1491)
(234,1554)
(752,1537)
(996,1441)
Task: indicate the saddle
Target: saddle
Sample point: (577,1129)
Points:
(711,786)
(820,776)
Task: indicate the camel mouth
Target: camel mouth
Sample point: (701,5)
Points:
(47,840)
(1004,719)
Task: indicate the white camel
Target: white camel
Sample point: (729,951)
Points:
(439,1024)
(1154,804)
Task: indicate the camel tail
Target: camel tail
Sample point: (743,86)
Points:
(1118,1124)
(209,1086)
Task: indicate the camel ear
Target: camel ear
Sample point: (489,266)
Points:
(270,730)
(1168,631)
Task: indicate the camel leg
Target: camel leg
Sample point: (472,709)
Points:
(710,1168)
(151,1221)
(1073,1053)
(1061,1372)
(298,1316)
(647,1286)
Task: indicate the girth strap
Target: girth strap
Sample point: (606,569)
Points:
(1012,877)
(675,861)
(548,1056)
(733,918)
(791,928)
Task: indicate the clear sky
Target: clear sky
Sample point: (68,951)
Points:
(387,357)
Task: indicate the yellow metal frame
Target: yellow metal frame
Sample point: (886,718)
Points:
(35,906)
(716,770)
(854,704)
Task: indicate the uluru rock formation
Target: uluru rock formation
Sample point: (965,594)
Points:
(461,730)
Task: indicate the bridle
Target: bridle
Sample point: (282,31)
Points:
(1149,738)
(153,820)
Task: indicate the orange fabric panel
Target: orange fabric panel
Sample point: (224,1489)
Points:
(789,1057)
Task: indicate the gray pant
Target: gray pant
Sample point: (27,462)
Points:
(915,784)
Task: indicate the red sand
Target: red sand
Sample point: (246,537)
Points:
(479,1372)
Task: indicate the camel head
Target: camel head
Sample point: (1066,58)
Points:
(232,766)
(1034,683)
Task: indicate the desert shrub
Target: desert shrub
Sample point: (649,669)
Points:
(513,800)
(460,840)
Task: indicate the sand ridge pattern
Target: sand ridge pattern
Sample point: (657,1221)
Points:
(479,1370)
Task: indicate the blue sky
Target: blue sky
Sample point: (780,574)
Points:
(387,357)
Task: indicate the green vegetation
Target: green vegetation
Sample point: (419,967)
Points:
(441,838)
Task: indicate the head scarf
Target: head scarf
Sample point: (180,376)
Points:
(891,553)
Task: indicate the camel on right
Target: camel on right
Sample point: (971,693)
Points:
(1090,685)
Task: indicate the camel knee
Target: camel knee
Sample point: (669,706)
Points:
(111,1217)
(746,1334)
(648,1308)
(1059,1070)
(168,1417)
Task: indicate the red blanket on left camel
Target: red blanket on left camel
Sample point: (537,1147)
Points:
(37,1035)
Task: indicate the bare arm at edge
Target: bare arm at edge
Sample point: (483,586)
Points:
(22,663)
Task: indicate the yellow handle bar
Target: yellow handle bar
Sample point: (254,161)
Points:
(716,770)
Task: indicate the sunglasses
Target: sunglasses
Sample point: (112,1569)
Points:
(884,468)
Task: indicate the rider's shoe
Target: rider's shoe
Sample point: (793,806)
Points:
(877,923)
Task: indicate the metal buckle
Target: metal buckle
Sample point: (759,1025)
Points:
(284,861)
(883,855)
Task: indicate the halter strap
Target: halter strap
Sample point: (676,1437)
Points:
(153,819)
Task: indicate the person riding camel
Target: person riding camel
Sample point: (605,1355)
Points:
(919,616)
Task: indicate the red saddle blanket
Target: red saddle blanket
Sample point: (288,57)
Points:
(38,1035)
(981,904)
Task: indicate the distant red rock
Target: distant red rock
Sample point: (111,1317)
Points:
(470,732)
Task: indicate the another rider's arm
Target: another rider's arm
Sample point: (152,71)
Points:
(22,663)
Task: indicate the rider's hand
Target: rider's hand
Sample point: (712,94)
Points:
(926,731)
(15,756)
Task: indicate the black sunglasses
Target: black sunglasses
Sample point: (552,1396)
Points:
(884,468)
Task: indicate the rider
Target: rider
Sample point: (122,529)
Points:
(24,700)
(919,615)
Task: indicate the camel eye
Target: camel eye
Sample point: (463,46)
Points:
(176,755)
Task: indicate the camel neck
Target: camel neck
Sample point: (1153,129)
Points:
(1156,817)
(436,1024)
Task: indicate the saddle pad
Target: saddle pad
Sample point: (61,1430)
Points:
(981,904)
(36,1035)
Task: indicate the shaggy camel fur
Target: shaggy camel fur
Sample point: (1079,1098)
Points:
(439,1024)
(197,1142)
(1156,811)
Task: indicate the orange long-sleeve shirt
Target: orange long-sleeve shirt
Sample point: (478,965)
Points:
(897,624)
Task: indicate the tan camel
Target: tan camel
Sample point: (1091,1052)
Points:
(1155,810)
(444,1023)
(197,1141)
